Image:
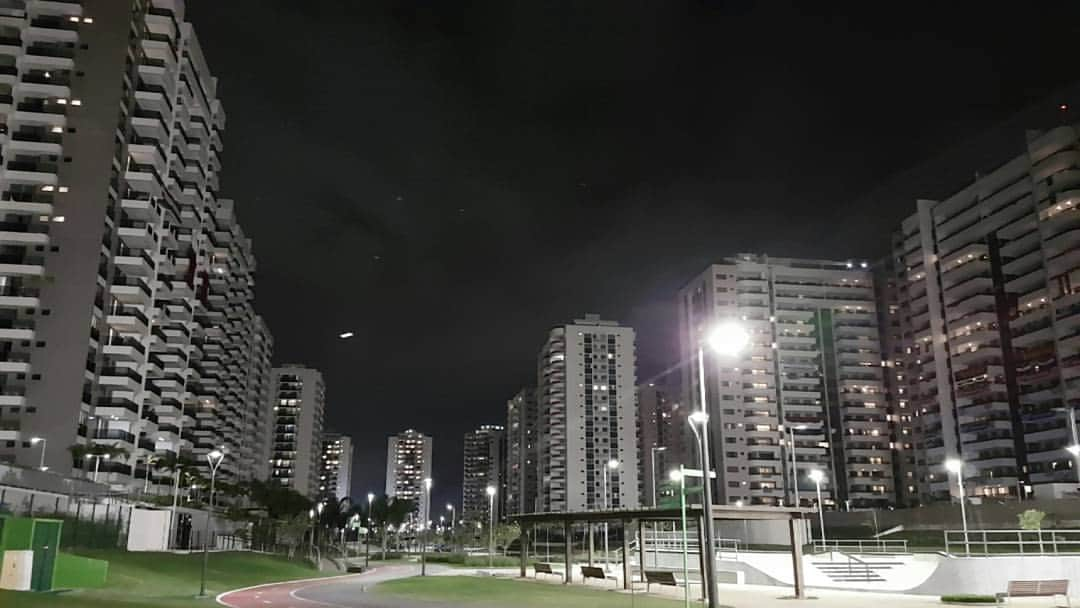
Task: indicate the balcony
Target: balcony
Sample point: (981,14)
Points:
(23,233)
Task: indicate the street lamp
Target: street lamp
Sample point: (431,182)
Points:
(367,537)
(956,466)
(677,475)
(491,525)
(311,515)
(817,475)
(42,441)
(726,339)
(1073,449)
(214,459)
(794,470)
(653,451)
(424,524)
(453,515)
(97,463)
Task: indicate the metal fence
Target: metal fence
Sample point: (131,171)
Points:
(673,541)
(861,545)
(1012,542)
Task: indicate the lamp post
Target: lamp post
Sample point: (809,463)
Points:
(726,339)
(652,453)
(491,525)
(97,463)
(176,473)
(424,524)
(42,441)
(214,459)
(817,475)
(956,466)
(367,537)
(453,515)
(146,482)
(611,466)
(794,470)
(1074,448)
(681,478)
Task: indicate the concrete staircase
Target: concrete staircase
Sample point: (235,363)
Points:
(844,568)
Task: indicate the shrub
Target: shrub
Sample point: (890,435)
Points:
(969,599)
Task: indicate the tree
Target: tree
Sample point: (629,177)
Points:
(390,512)
(1031,519)
(292,532)
(506,534)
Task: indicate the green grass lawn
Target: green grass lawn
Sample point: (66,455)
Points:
(478,591)
(163,580)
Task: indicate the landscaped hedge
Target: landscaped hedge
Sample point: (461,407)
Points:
(969,599)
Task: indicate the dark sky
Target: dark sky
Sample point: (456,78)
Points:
(448,180)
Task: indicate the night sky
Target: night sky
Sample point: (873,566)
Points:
(449,180)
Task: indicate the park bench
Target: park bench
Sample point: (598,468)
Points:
(1047,588)
(543,568)
(588,572)
(661,577)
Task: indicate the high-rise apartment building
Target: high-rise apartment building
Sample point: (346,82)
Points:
(125,284)
(299,404)
(808,388)
(661,437)
(335,469)
(522,458)
(988,294)
(408,464)
(587,417)
(485,452)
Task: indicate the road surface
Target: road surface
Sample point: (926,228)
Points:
(339,592)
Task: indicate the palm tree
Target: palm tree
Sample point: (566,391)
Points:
(386,512)
(81,451)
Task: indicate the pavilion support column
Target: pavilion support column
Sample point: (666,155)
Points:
(794,526)
(568,550)
(592,549)
(626,570)
(641,546)
(524,549)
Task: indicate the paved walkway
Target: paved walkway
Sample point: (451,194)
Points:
(350,591)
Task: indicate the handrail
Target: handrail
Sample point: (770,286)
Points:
(1012,542)
(862,545)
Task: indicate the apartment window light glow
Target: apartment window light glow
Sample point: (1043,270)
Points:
(76,102)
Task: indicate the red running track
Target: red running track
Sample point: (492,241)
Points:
(280,595)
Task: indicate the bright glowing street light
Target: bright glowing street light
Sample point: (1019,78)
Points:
(43,442)
(345,335)
(956,467)
(817,476)
(214,459)
(491,525)
(728,338)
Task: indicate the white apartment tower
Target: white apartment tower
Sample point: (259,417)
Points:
(522,457)
(485,451)
(299,404)
(807,389)
(989,294)
(126,313)
(335,474)
(408,464)
(587,417)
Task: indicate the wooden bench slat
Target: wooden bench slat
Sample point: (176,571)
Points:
(1037,588)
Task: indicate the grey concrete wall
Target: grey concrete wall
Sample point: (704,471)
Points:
(1060,513)
(989,575)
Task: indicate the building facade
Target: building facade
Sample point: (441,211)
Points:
(808,388)
(299,405)
(662,438)
(485,454)
(335,474)
(522,458)
(587,417)
(126,282)
(988,293)
(408,464)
